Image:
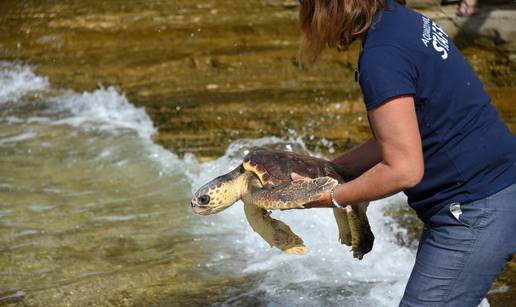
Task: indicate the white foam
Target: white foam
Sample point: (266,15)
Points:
(16,80)
(104,109)
(18,138)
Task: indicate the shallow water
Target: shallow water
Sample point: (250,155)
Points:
(94,212)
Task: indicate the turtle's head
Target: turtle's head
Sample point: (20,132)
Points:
(220,193)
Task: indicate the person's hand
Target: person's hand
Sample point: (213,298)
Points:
(295,176)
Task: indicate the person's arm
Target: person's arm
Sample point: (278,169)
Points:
(396,131)
(360,158)
(401,165)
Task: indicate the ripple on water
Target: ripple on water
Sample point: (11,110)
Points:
(113,207)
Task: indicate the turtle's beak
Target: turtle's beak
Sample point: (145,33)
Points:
(205,211)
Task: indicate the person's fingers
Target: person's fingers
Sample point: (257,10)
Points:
(295,176)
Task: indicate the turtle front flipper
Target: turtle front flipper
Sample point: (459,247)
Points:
(275,232)
(362,237)
(297,194)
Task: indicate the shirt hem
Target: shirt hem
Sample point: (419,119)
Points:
(426,214)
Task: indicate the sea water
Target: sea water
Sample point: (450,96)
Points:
(87,198)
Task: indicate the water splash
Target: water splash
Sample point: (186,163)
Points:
(104,109)
(17,80)
(105,138)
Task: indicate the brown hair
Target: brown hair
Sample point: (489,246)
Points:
(334,23)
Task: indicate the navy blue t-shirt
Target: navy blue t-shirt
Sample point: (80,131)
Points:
(469,153)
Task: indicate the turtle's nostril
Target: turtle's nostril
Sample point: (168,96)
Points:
(192,204)
(204,199)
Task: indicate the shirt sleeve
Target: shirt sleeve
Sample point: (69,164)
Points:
(385,72)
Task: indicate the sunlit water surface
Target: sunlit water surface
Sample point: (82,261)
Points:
(92,211)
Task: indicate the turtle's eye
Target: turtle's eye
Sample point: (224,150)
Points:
(204,199)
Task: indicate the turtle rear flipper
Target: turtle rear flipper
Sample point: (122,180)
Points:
(341,217)
(275,232)
(362,237)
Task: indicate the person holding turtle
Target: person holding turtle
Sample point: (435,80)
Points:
(436,137)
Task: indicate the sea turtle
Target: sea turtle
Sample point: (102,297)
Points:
(263,183)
